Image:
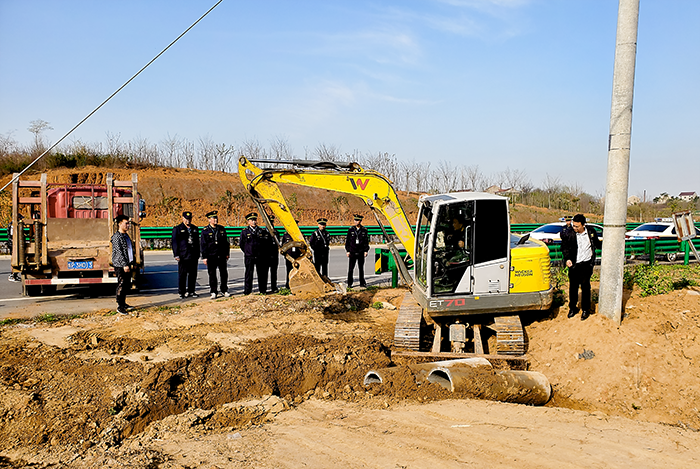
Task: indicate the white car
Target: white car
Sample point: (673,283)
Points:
(549,233)
(655,230)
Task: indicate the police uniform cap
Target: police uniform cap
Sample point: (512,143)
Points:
(358,217)
(251,216)
(322,221)
(213,214)
(187,215)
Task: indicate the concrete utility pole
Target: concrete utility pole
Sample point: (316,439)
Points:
(619,140)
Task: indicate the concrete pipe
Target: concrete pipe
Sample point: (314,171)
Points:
(380,376)
(522,387)
(422,370)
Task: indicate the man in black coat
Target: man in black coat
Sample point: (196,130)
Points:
(215,251)
(357,246)
(320,243)
(255,244)
(274,259)
(185,244)
(293,252)
(578,246)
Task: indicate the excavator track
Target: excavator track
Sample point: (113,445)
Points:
(407,329)
(510,337)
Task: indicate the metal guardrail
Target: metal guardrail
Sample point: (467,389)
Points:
(164,232)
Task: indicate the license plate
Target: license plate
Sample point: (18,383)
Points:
(80,265)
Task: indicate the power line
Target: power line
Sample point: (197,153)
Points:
(110,97)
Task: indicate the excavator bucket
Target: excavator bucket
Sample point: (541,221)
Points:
(304,280)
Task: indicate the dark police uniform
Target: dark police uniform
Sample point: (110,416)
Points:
(293,252)
(216,250)
(357,244)
(274,259)
(320,242)
(255,244)
(185,244)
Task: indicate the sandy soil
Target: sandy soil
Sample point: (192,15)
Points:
(274,381)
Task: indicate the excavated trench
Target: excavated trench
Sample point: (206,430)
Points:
(51,396)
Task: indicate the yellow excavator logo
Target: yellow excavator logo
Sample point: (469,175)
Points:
(362,184)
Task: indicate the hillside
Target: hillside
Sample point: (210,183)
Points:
(169,191)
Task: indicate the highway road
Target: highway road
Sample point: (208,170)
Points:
(159,287)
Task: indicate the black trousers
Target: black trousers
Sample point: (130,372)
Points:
(274,263)
(359,259)
(220,264)
(288,266)
(321,262)
(186,275)
(258,264)
(123,285)
(580,276)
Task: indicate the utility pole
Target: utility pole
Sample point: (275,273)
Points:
(619,141)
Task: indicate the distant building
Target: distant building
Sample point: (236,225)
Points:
(493,189)
(508,192)
(633,199)
(687,196)
(662,199)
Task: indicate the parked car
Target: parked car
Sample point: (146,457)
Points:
(549,233)
(655,230)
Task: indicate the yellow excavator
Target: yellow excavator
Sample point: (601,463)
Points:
(472,277)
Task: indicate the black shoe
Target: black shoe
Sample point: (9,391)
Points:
(121,310)
(572,313)
(584,315)
(194,295)
(363,285)
(272,292)
(182,297)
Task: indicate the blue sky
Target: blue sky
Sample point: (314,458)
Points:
(502,84)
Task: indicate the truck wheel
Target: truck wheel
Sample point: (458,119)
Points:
(671,256)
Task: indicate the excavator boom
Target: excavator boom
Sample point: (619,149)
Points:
(373,188)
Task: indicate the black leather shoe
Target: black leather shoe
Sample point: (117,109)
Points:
(584,315)
(572,313)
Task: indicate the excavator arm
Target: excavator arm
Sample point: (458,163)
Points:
(372,187)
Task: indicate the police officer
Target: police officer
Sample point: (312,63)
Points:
(185,244)
(320,243)
(14,276)
(357,246)
(274,259)
(293,252)
(215,252)
(255,244)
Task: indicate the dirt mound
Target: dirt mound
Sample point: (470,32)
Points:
(100,387)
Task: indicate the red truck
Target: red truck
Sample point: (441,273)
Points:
(66,231)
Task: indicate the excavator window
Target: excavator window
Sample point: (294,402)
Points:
(453,246)
(423,245)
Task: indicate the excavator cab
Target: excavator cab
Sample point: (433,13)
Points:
(460,246)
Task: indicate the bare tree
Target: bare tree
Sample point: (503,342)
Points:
(446,177)
(472,178)
(8,145)
(224,157)
(551,187)
(253,150)
(280,149)
(171,146)
(115,147)
(38,127)
(206,150)
(189,154)
(326,152)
